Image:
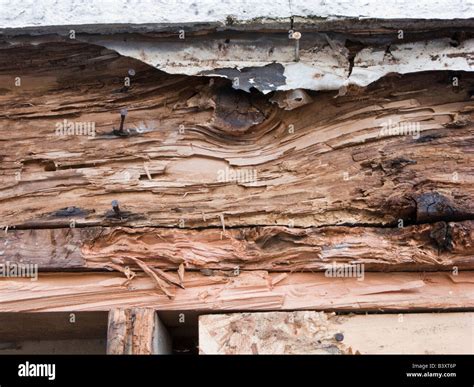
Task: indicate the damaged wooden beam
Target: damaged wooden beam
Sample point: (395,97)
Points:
(435,246)
(136,331)
(250,290)
(216,159)
(197,153)
(309,332)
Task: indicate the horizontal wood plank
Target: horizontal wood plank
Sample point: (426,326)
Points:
(197,154)
(437,246)
(257,290)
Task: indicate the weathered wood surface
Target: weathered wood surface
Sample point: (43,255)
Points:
(134,332)
(307,332)
(208,179)
(118,333)
(257,290)
(324,163)
(436,246)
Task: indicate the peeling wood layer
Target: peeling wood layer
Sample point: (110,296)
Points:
(437,246)
(197,153)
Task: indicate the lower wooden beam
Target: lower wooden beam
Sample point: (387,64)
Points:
(308,332)
(136,331)
(250,290)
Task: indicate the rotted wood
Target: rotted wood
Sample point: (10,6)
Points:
(197,153)
(435,246)
(134,332)
(202,197)
(254,290)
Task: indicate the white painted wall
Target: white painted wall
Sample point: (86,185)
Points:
(16,13)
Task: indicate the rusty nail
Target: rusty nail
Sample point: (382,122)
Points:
(115,207)
(123,114)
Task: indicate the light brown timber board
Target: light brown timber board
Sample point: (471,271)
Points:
(253,291)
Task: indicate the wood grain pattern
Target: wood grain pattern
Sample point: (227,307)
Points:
(325,163)
(256,290)
(207,179)
(436,246)
(130,331)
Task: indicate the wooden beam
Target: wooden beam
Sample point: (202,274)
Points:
(136,331)
(309,332)
(191,159)
(118,331)
(251,290)
(437,246)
